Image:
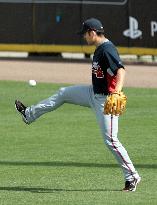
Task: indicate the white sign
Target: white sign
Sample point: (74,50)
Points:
(153,28)
(133,32)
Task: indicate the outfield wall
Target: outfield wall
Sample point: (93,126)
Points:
(51,26)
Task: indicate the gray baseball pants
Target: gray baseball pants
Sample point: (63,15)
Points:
(84,96)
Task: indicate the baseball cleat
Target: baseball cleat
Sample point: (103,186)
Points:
(131,185)
(21,109)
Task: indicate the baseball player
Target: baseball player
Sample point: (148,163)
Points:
(108,75)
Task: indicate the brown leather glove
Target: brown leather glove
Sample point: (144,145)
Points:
(115,103)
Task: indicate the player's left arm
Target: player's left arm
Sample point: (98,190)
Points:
(116,101)
(116,67)
(120,77)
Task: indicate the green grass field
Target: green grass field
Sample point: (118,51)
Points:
(61,159)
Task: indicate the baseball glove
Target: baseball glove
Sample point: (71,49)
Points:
(115,103)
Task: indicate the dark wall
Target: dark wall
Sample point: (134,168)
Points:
(16,23)
(114,19)
(57,23)
(126,23)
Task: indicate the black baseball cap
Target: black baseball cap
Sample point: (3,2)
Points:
(91,24)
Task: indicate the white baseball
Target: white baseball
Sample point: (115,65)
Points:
(32,82)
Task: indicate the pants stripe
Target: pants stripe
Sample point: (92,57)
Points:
(118,152)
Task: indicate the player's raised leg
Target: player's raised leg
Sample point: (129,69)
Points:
(79,95)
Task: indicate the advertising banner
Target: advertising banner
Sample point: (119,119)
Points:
(52,26)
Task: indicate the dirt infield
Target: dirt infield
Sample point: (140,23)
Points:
(75,73)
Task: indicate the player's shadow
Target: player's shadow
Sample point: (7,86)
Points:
(48,190)
(72,164)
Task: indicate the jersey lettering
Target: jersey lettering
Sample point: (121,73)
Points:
(97,71)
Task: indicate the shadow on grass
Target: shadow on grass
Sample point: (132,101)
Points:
(46,190)
(72,164)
